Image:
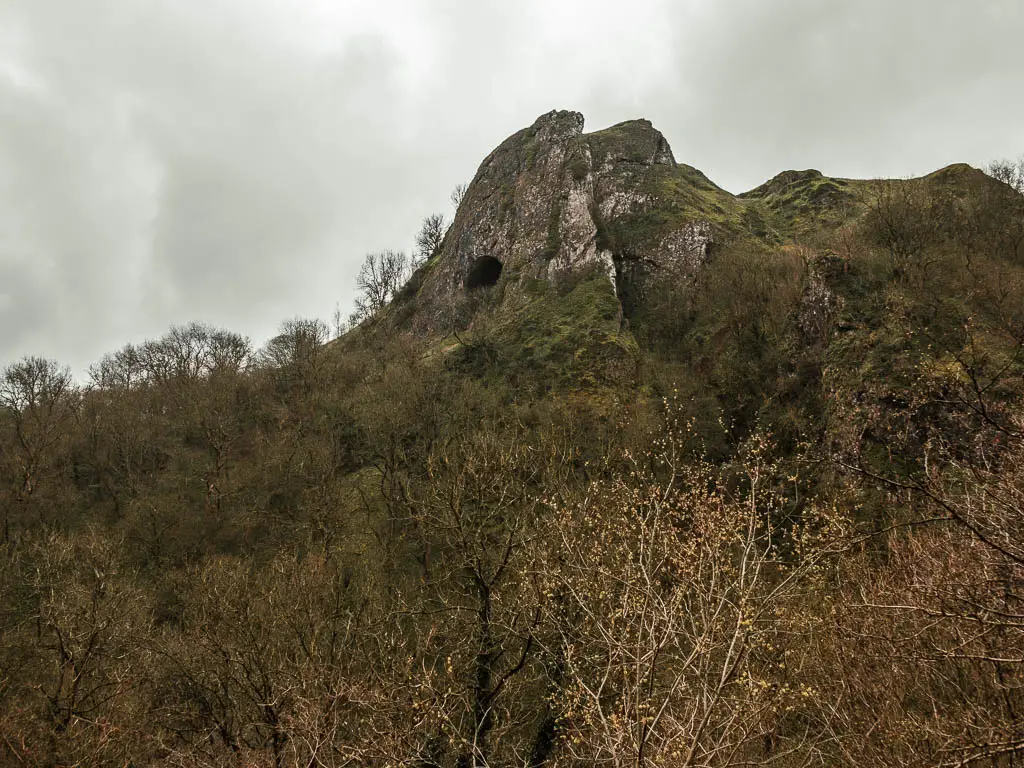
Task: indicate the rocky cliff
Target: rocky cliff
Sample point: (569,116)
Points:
(569,247)
(552,201)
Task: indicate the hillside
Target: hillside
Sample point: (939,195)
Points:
(631,470)
(588,261)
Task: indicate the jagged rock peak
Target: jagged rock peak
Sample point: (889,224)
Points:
(551,200)
(636,141)
(558,125)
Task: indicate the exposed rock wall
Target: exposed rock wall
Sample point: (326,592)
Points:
(551,201)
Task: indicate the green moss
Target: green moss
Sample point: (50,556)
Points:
(578,167)
(553,242)
(675,196)
(507,198)
(634,141)
(555,342)
(530,156)
(412,286)
(762,222)
(799,202)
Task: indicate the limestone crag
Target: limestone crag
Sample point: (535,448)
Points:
(552,202)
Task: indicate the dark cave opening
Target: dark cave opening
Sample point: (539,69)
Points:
(485,272)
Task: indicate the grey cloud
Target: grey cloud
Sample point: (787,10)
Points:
(168,168)
(232,161)
(865,88)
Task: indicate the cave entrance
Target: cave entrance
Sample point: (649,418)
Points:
(485,272)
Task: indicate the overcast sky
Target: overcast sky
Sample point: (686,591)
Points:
(231,161)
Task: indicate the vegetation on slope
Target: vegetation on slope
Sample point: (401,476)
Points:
(774,516)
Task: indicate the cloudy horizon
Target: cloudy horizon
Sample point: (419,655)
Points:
(232,161)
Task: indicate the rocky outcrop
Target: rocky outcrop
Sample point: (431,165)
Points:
(552,202)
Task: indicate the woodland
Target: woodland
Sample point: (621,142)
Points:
(790,532)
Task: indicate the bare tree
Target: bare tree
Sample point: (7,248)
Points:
(944,613)
(186,353)
(380,277)
(458,194)
(428,241)
(898,220)
(34,383)
(1008,172)
(118,370)
(81,625)
(298,340)
(676,598)
(37,400)
(339,323)
(228,352)
(478,526)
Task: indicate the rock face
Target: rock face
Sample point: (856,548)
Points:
(553,205)
(551,274)
(552,202)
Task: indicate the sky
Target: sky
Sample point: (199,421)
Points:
(232,161)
